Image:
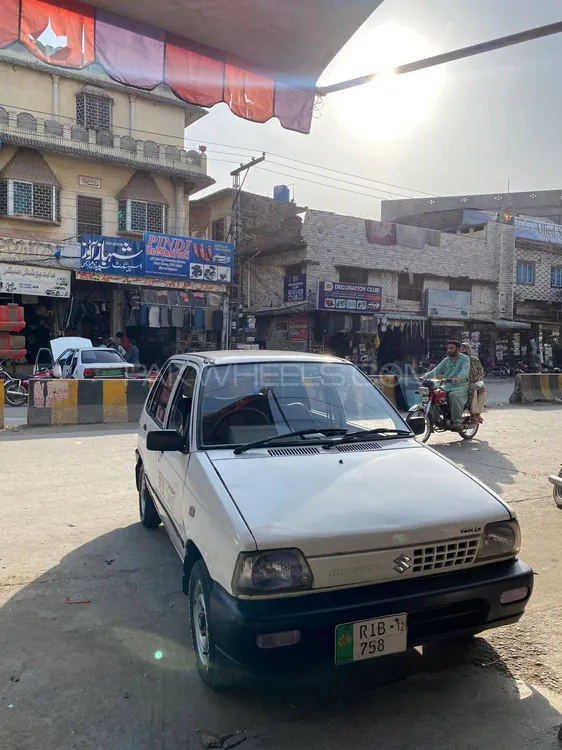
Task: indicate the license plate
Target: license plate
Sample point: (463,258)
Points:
(368,639)
(112,373)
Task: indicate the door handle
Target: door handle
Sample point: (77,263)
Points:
(144,427)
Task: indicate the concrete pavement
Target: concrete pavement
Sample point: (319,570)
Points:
(89,599)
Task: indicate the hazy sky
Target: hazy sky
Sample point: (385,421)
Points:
(465,127)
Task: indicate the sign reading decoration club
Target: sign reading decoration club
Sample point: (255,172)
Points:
(341,297)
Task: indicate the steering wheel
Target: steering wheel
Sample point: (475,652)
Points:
(263,417)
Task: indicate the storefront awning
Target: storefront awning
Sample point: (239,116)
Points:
(404,316)
(261,57)
(512,324)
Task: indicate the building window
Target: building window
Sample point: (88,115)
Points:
(525,272)
(354,276)
(93,112)
(218,230)
(18,198)
(410,287)
(460,285)
(556,278)
(88,215)
(138,216)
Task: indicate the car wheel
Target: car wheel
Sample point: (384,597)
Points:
(147,510)
(210,663)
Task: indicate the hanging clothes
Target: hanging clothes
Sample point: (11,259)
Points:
(177,317)
(199,319)
(154,317)
(144,315)
(164,316)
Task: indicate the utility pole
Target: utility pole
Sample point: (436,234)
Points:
(236,305)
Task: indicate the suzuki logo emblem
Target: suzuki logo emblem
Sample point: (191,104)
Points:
(402,563)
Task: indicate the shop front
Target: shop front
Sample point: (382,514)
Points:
(44,293)
(166,294)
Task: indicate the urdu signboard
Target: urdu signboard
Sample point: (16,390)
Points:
(441,303)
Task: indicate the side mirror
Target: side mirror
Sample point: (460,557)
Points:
(57,371)
(417,424)
(165,440)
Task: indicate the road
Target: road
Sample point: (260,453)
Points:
(88,598)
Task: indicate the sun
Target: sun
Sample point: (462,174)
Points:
(392,106)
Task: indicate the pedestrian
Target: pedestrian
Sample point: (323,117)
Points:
(122,340)
(133,356)
(477,391)
(112,344)
(454,370)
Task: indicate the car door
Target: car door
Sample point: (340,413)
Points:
(64,362)
(153,416)
(172,465)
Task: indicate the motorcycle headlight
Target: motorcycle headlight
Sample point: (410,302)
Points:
(279,570)
(424,390)
(499,540)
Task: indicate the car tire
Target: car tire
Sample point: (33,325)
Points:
(211,664)
(147,510)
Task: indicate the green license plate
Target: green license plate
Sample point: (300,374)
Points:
(112,373)
(368,639)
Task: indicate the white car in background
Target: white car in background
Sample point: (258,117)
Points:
(76,358)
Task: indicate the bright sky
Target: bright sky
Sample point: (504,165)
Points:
(465,127)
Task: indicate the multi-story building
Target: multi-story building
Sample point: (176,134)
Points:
(83,155)
(369,290)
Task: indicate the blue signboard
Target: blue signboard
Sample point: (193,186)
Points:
(192,258)
(113,255)
(295,288)
(538,230)
(342,297)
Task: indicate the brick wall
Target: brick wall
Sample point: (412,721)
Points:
(544,258)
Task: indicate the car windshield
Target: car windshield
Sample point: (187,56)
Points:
(101,357)
(242,403)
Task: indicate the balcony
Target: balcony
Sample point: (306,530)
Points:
(24,129)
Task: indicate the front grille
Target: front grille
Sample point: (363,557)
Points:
(447,555)
(352,447)
(304,451)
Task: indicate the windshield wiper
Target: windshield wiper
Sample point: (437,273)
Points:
(326,432)
(377,432)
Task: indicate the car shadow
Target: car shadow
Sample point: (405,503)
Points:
(95,654)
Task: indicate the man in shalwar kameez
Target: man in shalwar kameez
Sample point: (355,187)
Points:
(455,369)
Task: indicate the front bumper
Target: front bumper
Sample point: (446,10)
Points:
(438,607)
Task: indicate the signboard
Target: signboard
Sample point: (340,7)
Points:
(295,288)
(298,328)
(34,280)
(85,181)
(445,304)
(112,255)
(537,230)
(148,282)
(188,258)
(342,297)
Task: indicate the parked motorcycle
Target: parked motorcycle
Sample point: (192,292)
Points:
(434,405)
(499,369)
(15,388)
(556,481)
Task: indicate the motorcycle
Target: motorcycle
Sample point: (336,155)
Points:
(500,370)
(556,481)
(434,405)
(15,388)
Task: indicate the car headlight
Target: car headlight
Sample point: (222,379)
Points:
(271,572)
(499,540)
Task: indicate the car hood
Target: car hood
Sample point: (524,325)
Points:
(334,503)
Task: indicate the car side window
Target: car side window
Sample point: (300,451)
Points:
(161,392)
(65,358)
(180,413)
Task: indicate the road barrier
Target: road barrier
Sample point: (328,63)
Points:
(85,401)
(1,404)
(387,385)
(531,387)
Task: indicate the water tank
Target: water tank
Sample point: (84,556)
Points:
(282,193)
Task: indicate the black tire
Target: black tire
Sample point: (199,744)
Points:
(15,393)
(469,432)
(211,665)
(428,427)
(147,510)
(557,494)
(504,373)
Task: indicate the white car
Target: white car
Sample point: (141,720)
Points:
(76,358)
(311,524)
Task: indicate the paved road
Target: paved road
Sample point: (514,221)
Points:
(87,598)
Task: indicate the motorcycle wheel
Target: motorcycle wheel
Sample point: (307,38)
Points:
(468,431)
(15,394)
(557,494)
(504,373)
(428,430)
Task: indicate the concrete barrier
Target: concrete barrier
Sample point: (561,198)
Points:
(387,385)
(531,387)
(1,404)
(85,401)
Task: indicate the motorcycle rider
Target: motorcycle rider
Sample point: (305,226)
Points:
(477,391)
(455,369)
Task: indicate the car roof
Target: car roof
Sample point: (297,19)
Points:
(241,356)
